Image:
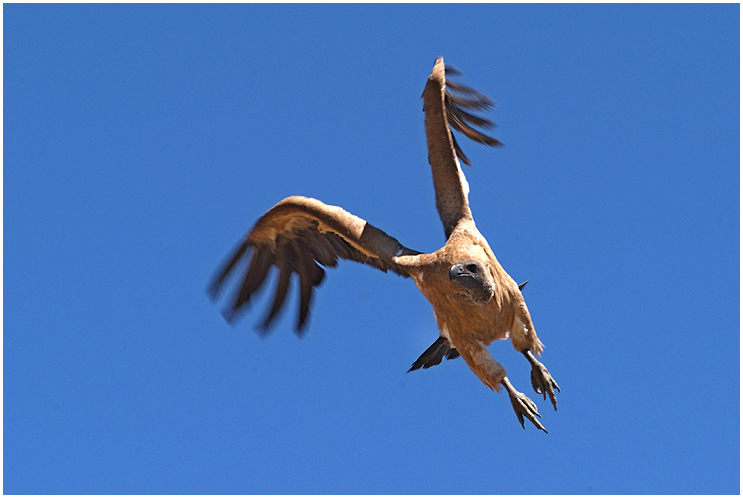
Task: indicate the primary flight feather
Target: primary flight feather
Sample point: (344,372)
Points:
(475,301)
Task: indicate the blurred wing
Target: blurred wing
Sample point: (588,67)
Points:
(300,235)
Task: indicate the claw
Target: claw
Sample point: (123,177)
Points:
(523,406)
(544,384)
(541,379)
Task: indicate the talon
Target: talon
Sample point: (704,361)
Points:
(523,406)
(541,379)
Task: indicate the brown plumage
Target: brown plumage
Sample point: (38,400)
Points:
(475,301)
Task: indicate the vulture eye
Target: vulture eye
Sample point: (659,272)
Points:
(472,268)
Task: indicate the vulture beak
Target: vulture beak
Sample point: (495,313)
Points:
(466,273)
(456,271)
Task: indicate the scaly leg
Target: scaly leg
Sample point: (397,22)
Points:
(523,406)
(541,380)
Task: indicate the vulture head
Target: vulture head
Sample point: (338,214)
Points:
(475,279)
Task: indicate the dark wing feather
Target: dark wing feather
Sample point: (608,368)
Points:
(463,121)
(462,102)
(254,277)
(301,236)
(471,119)
(450,70)
(219,279)
(282,287)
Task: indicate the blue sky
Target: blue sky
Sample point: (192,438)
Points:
(142,141)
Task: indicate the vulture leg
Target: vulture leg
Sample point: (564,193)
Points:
(523,406)
(541,380)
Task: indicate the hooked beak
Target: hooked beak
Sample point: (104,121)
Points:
(456,271)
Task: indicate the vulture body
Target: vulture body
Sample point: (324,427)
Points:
(475,301)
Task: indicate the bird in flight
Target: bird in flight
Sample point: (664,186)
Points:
(475,301)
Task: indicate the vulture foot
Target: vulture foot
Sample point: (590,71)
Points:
(523,406)
(541,379)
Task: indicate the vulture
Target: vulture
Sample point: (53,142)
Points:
(474,300)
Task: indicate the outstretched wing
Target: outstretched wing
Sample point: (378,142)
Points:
(447,107)
(302,235)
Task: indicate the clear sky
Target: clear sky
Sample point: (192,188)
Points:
(142,141)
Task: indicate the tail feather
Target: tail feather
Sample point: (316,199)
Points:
(434,354)
(453,353)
